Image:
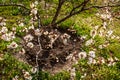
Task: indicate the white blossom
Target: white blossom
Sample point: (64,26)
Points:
(8,36)
(2,23)
(101,60)
(91,61)
(82,55)
(5,37)
(31,27)
(37,32)
(32,5)
(100,46)
(11,35)
(109,33)
(22,51)
(30,45)
(21,24)
(113,37)
(52,37)
(97,14)
(1,18)
(34,70)
(96,27)
(34,11)
(93,33)
(83,75)
(57,59)
(65,35)
(4,30)
(83,37)
(13,28)
(69,56)
(105,16)
(36,2)
(27,76)
(46,33)
(117,37)
(65,41)
(111,61)
(89,42)
(104,25)
(101,32)
(28,37)
(108,16)
(116,59)
(25,30)
(72,73)
(92,54)
(16,77)
(106,44)
(13,45)
(65,38)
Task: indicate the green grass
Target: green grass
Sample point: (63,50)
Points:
(83,24)
(10,67)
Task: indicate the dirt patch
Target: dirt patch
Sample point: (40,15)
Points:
(60,49)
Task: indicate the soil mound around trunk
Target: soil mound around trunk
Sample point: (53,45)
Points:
(59,49)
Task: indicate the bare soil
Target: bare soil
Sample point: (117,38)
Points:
(57,55)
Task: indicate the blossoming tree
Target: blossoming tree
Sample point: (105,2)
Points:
(54,35)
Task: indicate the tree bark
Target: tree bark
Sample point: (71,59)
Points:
(57,11)
(73,12)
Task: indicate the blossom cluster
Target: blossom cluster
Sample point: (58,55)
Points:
(4,34)
(34,11)
(27,75)
(103,32)
(7,35)
(89,55)
(93,51)
(28,38)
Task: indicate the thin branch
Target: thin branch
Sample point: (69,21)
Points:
(57,11)
(16,5)
(101,6)
(72,13)
(39,21)
(78,6)
(67,17)
(40,47)
(83,5)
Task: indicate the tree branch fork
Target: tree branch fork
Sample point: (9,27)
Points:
(81,8)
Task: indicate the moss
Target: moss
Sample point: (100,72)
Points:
(61,76)
(107,73)
(99,40)
(3,45)
(42,75)
(82,23)
(46,21)
(82,29)
(12,67)
(66,24)
(115,49)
